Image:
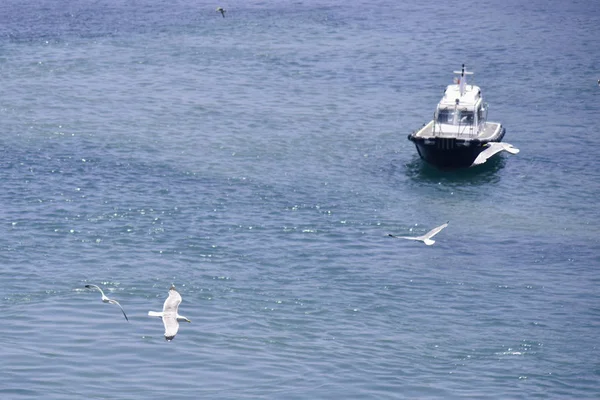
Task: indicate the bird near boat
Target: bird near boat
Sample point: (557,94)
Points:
(222,11)
(170,314)
(426,238)
(493,148)
(107,300)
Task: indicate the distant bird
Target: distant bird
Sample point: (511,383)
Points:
(598,82)
(106,299)
(426,238)
(222,11)
(170,314)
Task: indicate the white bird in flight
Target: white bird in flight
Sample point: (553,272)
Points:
(106,299)
(493,148)
(170,314)
(426,238)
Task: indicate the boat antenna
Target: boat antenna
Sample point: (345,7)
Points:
(463,79)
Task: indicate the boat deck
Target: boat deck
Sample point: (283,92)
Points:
(490,132)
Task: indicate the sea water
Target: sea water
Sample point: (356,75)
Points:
(259,162)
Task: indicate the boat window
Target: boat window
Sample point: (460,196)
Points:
(466,117)
(481,114)
(447,116)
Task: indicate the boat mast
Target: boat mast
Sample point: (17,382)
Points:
(463,79)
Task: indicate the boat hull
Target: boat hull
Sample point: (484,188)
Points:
(448,152)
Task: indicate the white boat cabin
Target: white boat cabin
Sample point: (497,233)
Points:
(461,112)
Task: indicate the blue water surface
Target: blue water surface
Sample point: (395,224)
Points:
(259,162)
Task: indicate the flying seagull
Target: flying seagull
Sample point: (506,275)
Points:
(426,238)
(169,314)
(222,11)
(493,148)
(106,299)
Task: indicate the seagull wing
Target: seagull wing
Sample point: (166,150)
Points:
(433,232)
(426,238)
(407,237)
(96,287)
(171,326)
(170,313)
(493,148)
(121,307)
(172,302)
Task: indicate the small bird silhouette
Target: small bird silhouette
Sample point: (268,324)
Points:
(106,299)
(221,10)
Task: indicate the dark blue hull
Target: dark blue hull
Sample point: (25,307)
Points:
(448,153)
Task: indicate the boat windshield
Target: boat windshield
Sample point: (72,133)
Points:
(455,117)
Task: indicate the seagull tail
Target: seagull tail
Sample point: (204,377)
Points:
(429,242)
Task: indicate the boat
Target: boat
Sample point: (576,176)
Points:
(460,135)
